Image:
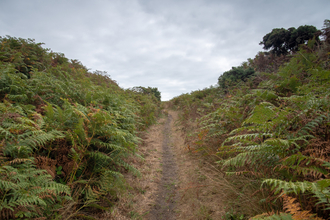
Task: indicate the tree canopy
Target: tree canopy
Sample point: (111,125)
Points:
(235,75)
(148,91)
(280,40)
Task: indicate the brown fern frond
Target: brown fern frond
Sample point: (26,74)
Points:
(318,148)
(260,216)
(9,115)
(67,164)
(16,160)
(6,214)
(291,206)
(2,157)
(304,215)
(46,164)
(47,194)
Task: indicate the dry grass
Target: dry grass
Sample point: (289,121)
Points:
(141,194)
(199,195)
(205,192)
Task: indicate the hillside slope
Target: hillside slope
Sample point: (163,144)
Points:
(268,120)
(65,133)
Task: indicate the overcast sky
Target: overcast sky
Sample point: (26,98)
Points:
(176,46)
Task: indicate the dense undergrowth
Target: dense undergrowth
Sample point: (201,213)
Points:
(65,133)
(269,120)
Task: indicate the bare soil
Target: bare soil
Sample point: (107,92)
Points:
(167,194)
(175,182)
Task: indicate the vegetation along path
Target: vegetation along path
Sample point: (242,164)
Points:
(256,146)
(174,183)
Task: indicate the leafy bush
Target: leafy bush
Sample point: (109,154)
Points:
(234,76)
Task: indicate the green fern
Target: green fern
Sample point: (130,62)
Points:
(319,188)
(56,109)
(23,185)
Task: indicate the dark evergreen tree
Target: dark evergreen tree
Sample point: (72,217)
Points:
(280,41)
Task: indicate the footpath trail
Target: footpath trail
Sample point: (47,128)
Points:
(167,194)
(174,182)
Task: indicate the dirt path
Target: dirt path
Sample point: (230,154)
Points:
(175,183)
(167,195)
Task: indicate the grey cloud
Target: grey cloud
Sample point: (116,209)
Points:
(175,45)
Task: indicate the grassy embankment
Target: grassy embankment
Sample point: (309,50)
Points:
(65,133)
(266,126)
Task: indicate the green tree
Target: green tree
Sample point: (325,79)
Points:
(275,41)
(233,76)
(148,91)
(280,41)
